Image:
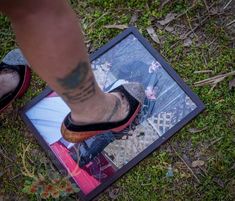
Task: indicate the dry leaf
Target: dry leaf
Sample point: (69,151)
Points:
(198,163)
(169,17)
(169,29)
(196,130)
(187,42)
(153,34)
(113,193)
(159,26)
(134,19)
(214,80)
(219,182)
(116,26)
(232,83)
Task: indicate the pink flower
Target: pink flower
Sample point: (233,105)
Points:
(154,66)
(150,93)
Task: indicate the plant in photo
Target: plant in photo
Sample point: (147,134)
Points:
(46,184)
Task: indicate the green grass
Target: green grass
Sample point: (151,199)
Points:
(148,181)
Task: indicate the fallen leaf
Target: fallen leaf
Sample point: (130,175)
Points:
(197,163)
(153,34)
(232,84)
(169,29)
(219,182)
(214,80)
(196,130)
(169,17)
(116,26)
(134,19)
(187,42)
(159,26)
(113,193)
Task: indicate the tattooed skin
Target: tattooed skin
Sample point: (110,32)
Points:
(76,77)
(115,109)
(81,94)
(79,87)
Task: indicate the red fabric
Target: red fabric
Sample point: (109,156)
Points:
(85,181)
(25,84)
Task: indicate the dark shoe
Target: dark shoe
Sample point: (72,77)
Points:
(135,95)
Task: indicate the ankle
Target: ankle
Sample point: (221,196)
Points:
(94,110)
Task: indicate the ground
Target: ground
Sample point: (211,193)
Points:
(199,44)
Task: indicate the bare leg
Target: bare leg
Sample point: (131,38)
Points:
(50,37)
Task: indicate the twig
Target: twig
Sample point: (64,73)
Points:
(213,49)
(5,156)
(205,61)
(163,4)
(204,172)
(90,25)
(203,71)
(211,6)
(227,4)
(212,41)
(201,22)
(230,23)
(190,169)
(190,25)
(116,26)
(213,142)
(15,176)
(26,171)
(127,9)
(212,88)
(207,8)
(191,7)
(214,80)
(195,28)
(186,11)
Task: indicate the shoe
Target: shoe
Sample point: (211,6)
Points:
(24,73)
(134,93)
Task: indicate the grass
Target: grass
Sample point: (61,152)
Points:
(211,49)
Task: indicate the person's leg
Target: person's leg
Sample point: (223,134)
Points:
(51,39)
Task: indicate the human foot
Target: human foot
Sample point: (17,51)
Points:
(112,108)
(132,93)
(14,78)
(9,80)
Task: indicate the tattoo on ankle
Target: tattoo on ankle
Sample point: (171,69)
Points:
(81,94)
(115,109)
(75,77)
(79,87)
